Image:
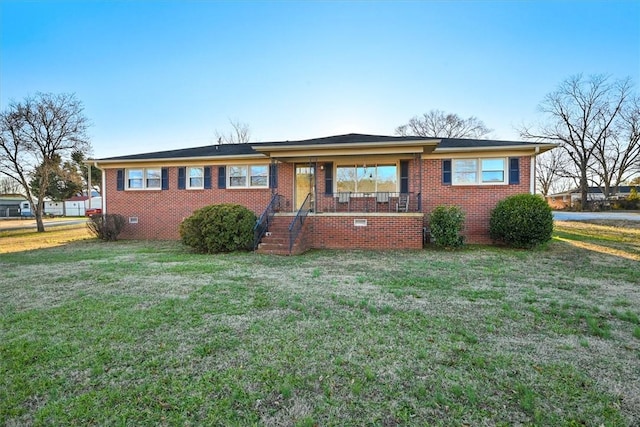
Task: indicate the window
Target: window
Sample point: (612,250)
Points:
(134,178)
(196,177)
(237,176)
(248,176)
(465,171)
(258,176)
(153,178)
(367,178)
(141,179)
(479,171)
(493,170)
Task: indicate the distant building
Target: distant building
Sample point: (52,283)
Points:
(10,205)
(570,198)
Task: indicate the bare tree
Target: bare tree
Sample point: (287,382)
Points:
(240,133)
(617,155)
(438,124)
(34,135)
(552,174)
(582,116)
(9,186)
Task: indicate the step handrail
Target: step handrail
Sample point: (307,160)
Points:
(262,223)
(296,225)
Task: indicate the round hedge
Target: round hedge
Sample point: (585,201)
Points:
(446,224)
(219,228)
(521,221)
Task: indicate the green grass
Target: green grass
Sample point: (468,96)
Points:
(146,333)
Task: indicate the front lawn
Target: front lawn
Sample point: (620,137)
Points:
(146,333)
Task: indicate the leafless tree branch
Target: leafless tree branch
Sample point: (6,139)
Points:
(36,132)
(240,133)
(586,116)
(438,124)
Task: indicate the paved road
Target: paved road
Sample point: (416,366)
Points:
(31,224)
(587,216)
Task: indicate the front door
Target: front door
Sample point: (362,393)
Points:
(305,184)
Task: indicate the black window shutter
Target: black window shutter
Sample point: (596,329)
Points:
(222,177)
(207,177)
(328,179)
(514,170)
(182,178)
(404,176)
(446,172)
(273,175)
(120,180)
(165,178)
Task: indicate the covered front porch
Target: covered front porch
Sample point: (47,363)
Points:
(378,184)
(348,195)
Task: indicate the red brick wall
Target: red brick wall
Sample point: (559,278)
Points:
(337,231)
(160,212)
(476,201)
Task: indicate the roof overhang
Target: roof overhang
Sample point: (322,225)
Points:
(530,148)
(350,149)
(101,163)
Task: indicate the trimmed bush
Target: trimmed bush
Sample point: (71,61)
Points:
(219,228)
(106,227)
(446,224)
(521,221)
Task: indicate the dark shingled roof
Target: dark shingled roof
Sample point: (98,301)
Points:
(206,151)
(352,138)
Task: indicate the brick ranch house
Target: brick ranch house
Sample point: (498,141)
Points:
(339,192)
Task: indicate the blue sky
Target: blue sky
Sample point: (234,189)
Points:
(156,75)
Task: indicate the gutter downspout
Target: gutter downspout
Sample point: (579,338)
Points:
(418,158)
(103,189)
(532,180)
(89,192)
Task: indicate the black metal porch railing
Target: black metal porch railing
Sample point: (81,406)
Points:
(381,201)
(296,225)
(262,224)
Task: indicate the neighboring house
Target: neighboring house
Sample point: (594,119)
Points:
(77,205)
(570,198)
(354,191)
(10,205)
(53,208)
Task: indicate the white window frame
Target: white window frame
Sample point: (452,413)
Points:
(456,172)
(144,179)
(247,175)
(188,178)
(357,167)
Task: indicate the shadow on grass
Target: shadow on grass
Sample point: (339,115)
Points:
(614,241)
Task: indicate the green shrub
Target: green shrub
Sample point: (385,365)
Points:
(106,227)
(522,221)
(633,199)
(446,223)
(219,228)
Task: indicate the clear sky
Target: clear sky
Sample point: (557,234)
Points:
(160,75)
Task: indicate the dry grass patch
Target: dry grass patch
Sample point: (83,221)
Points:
(28,240)
(617,238)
